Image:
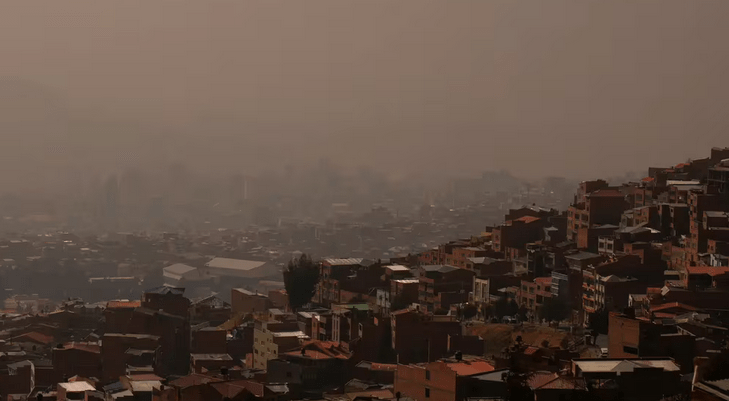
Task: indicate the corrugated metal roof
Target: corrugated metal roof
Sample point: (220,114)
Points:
(77,387)
(343,262)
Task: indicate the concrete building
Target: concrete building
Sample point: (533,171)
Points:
(244,301)
(270,339)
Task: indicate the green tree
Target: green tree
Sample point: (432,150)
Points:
(398,303)
(300,279)
(505,307)
(599,321)
(554,309)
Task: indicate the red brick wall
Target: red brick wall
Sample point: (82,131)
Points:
(70,362)
(209,342)
(411,381)
(242,303)
(622,332)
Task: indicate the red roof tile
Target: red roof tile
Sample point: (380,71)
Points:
(530,350)
(232,389)
(543,280)
(648,179)
(538,379)
(86,347)
(672,305)
(35,337)
(527,219)
(316,349)
(384,367)
(710,270)
(123,304)
(470,368)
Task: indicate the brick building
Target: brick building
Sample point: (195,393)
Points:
(417,337)
(442,380)
(437,279)
(599,207)
(244,301)
(167,299)
(118,350)
(82,359)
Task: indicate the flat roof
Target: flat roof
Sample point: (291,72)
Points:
(624,365)
(234,264)
(77,387)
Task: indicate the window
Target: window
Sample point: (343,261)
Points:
(288,374)
(427,375)
(630,350)
(427,392)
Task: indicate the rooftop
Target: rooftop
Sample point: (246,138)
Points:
(179,269)
(165,290)
(582,256)
(123,304)
(398,268)
(343,262)
(439,268)
(469,366)
(624,365)
(211,357)
(76,387)
(234,264)
(710,270)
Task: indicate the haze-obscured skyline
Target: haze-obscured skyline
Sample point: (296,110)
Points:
(572,88)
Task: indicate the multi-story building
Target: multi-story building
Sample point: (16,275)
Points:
(270,339)
(700,202)
(437,279)
(533,294)
(598,207)
(444,380)
(419,337)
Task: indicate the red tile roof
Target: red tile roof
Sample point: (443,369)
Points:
(710,270)
(144,377)
(527,219)
(86,347)
(470,368)
(538,379)
(232,389)
(543,280)
(316,349)
(33,336)
(530,350)
(648,179)
(384,367)
(672,305)
(123,304)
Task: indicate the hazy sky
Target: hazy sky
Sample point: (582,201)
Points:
(580,88)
